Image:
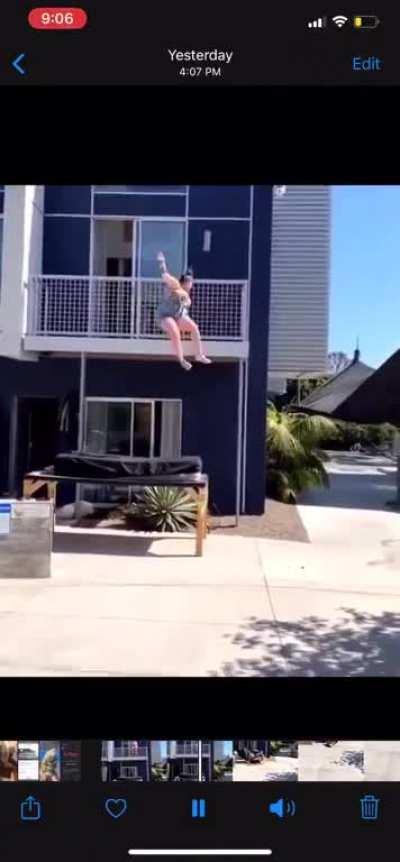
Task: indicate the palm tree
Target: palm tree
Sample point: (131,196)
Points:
(294,459)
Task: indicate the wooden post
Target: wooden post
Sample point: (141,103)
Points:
(26,488)
(52,491)
(205,510)
(31,485)
(201,525)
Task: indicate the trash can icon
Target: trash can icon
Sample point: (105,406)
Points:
(369,807)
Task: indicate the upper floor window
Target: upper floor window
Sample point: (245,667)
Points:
(129,247)
(141,190)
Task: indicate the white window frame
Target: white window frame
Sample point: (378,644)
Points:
(137,222)
(132,401)
(98,190)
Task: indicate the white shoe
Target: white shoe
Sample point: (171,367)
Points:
(186,365)
(203,359)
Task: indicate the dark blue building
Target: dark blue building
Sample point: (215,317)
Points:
(84,364)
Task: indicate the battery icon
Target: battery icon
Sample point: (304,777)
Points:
(365,22)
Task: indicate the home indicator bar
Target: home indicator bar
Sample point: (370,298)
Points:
(200,852)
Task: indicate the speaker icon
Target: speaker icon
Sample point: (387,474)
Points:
(283,808)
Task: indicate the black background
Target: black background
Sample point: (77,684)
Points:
(199,708)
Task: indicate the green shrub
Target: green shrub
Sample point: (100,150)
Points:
(294,458)
(164,508)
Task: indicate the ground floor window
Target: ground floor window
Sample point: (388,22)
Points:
(130,427)
(190,770)
(134,427)
(129,772)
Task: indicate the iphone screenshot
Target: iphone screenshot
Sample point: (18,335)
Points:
(199,431)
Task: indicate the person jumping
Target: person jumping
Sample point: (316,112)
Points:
(173,314)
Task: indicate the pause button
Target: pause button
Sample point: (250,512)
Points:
(199,808)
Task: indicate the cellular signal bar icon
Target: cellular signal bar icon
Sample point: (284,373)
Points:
(318,23)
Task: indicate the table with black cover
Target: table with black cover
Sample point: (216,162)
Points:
(84,468)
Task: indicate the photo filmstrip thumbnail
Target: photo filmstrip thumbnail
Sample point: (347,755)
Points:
(167,760)
(40,760)
(265,760)
(316,760)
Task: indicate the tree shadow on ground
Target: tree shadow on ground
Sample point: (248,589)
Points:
(358,644)
(352,758)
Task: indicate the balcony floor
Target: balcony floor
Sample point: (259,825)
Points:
(143,348)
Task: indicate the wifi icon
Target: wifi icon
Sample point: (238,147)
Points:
(340,21)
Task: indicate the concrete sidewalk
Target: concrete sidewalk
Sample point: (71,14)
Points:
(122,604)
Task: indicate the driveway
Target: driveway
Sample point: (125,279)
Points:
(122,604)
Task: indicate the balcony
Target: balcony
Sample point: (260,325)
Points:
(191,749)
(118,315)
(129,750)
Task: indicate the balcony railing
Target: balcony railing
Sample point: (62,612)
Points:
(102,307)
(190,749)
(129,751)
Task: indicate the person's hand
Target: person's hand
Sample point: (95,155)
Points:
(161,257)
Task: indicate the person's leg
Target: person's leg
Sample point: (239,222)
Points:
(186,324)
(170,327)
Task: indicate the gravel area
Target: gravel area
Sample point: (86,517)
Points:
(279,521)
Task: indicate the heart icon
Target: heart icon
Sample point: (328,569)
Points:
(116,807)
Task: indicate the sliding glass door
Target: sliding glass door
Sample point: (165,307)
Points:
(133,427)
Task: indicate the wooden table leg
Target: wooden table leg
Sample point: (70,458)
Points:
(52,491)
(30,486)
(201,524)
(205,510)
(26,488)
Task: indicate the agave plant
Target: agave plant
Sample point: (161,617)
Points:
(167,509)
(295,461)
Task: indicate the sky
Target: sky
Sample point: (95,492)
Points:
(365,271)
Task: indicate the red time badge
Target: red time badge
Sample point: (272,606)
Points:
(57,18)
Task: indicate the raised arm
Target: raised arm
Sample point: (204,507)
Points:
(168,279)
(162,262)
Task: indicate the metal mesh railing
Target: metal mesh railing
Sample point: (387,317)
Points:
(127,308)
(129,749)
(189,749)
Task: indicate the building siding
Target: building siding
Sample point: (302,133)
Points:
(68,199)
(219,201)
(209,433)
(228,257)
(300,273)
(258,354)
(66,246)
(140,205)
